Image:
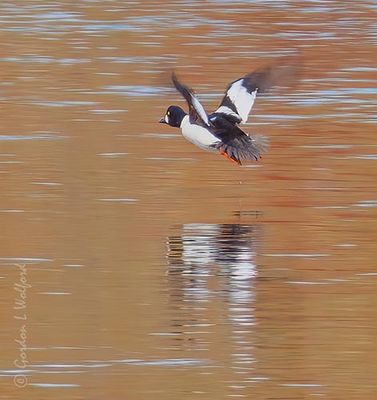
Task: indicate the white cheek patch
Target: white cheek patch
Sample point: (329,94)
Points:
(166,118)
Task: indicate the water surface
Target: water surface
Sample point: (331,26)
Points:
(132,264)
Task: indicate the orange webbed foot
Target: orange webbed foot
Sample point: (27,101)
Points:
(226,155)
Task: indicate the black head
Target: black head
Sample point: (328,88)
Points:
(173,117)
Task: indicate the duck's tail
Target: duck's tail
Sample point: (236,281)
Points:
(244,148)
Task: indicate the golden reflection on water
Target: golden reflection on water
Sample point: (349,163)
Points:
(133,264)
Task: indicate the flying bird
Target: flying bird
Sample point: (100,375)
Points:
(220,132)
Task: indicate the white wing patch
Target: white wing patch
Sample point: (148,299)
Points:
(192,101)
(199,109)
(227,110)
(241,98)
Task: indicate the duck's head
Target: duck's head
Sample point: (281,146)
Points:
(173,117)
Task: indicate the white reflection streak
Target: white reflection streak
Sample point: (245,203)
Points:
(212,249)
(208,256)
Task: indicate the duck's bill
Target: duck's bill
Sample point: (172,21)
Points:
(162,121)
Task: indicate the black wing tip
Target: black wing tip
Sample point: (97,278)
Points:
(283,72)
(174,77)
(177,84)
(181,87)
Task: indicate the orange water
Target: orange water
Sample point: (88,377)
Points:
(152,270)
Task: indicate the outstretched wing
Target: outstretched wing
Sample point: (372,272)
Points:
(196,110)
(240,94)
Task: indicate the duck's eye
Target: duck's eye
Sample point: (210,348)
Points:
(168,113)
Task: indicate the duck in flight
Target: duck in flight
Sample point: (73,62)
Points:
(220,132)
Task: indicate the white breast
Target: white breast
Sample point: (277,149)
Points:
(198,135)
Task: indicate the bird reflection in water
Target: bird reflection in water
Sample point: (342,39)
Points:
(212,273)
(205,251)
